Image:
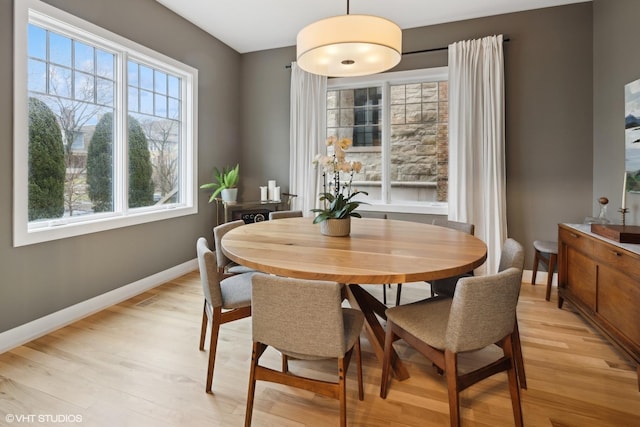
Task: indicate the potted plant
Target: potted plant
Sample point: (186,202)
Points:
(338,195)
(225,184)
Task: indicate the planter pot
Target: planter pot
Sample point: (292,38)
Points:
(336,227)
(229,194)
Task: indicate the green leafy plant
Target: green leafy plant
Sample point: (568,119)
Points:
(227,178)
(338,196)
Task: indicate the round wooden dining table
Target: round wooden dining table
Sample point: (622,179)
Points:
(377,251)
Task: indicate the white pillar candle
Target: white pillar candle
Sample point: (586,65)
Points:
(276,194)
(263,194)
(624,191)
(271,188)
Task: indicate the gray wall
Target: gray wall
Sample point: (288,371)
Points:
(565,72)
(40,279)
(548,65)
(615,63)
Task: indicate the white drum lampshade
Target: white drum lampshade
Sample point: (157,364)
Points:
(349,45)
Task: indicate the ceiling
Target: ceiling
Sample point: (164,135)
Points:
(251,25)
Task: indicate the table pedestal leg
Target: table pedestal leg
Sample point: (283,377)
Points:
(370,306)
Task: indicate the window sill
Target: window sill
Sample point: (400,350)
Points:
(432,208)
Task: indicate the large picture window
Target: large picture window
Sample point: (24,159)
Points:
(104,129)
(399,126)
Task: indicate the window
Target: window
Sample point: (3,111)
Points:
(109,127)
(399,126)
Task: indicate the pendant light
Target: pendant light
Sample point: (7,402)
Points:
(349,45)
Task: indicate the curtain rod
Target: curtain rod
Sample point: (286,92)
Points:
(435,49)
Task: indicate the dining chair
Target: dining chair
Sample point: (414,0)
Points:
(225,265)
(382,215)
(224,301)
(481,313)
(446,286)
(284,214)
(303,319)
(511,256)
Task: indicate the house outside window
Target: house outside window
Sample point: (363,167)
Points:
(399,126)
(110,127)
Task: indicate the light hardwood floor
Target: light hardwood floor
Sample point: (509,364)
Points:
(138,364)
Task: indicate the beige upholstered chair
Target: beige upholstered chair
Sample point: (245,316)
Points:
(382,215)
(446,287)
(225,265)
(284,214)
(233,295)
(512,256)
(303,319)
(481,313)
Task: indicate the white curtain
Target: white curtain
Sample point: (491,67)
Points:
(308,130)
(477,178)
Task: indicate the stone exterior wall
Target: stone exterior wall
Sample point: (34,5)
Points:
(419,140)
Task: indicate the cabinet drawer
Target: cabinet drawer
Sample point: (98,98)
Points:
(576,240)
(618,258)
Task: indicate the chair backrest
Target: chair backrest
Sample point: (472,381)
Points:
(218,232)
(209,273)
(483,310)
(377,215)
(298,317)
(284,214)
(512,255)
(456,225)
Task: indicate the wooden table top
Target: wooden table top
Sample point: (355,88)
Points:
(377,251)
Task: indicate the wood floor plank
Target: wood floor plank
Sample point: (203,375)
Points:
(138,364)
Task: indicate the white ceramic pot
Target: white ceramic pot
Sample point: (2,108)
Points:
(229,194)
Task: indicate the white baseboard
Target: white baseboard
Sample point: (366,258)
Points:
(29,331)
(541,277)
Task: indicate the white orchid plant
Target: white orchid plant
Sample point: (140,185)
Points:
(338,195)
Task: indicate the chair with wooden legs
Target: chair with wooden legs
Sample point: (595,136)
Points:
(303,319)
(481,313)
(225,265)
(381,215)
(233,295)
(446,286)
(512,255)
(284,214)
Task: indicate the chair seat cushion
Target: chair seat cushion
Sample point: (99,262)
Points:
(234,268)
(433,312)
(236,291)
(546,246)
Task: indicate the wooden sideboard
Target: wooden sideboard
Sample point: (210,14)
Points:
(601,278)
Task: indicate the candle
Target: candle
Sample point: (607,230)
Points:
(624,191)
(276,194)
(263,194)
(272,188)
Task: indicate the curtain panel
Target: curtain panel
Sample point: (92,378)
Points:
(307,133)
(477,177)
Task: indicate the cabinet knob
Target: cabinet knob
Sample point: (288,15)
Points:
(616,253)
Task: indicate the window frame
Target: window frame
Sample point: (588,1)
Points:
(36,12)
(386,80)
